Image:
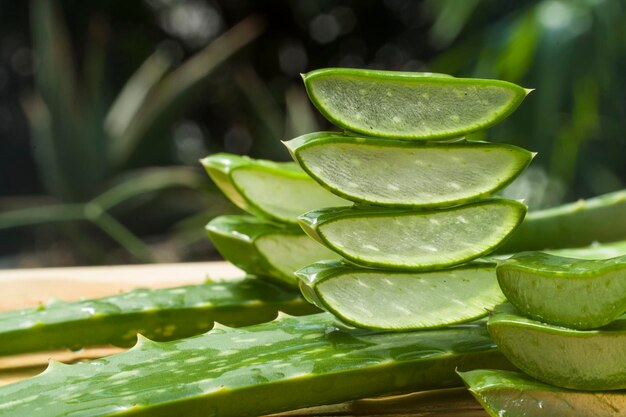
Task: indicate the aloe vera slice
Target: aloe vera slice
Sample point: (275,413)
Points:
(598,219)
(409,105)
(575,293)
(387,300)
(512,394)
(161,314)
(272,190)
(265,249)
(389,172)
(567,358)
(286,364)
(415,240)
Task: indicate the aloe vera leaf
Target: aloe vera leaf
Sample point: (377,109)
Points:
(409,105)
(447,402)
(286,364)
(512,394)
(388,172)
(568,292)
(414,240)
(576,359)
(162,314)
(593,251)
(272,190)
(400,301)
(598,219)
(265,249)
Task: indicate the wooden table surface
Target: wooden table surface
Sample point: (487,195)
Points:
(28,287)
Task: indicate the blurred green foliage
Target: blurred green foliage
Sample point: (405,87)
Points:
(126,96)
(80,146)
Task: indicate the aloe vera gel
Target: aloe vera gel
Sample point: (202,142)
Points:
(422,194)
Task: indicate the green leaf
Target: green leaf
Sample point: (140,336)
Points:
(388,300)
(266,249)
(287,364)
(410,105)
(512,394)
(598,219)
(593,251)
(42,214)
(70,166)
(160,314)
(172,94)
(129,101)
(149,180)
(387,172)
(588,360)
(414,240)
(272,190)
(568,292)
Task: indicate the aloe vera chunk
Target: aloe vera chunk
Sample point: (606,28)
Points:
(265,249)
(272,190)
(598,219)
(414,240)
(512,394)
(388,300)
(286,364)
(388,172)
(409,105)
(161,314)
(568,292)
(577,359)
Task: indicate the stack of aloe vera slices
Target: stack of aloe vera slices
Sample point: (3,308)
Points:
(268,242)
(423,211)
(565,327)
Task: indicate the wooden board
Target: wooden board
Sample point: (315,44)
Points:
(28,287)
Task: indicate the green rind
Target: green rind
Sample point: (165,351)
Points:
(237,238)
(161,314)
(298,145)
(311,222)
(598,219)
(406,80)
(222,166)
(574,293)
(512,394)
(407,313)
(588,360)
(283,365)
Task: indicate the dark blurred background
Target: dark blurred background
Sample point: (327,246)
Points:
(106,107)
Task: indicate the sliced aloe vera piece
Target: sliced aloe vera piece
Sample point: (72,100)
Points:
(273,190)
(575,293)
(598,219)
(409,105)
(265,249)
(387,300)
(512,394)
(162,314)
(286,364)
(389,172)
(415,240)
(575,359)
